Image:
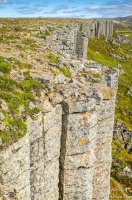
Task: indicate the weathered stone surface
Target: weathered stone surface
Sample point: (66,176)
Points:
(79,106)
(76,161)
(46,106)
(124,135)
(66,154)
(2,117)
(45,153)
(102,150)
(73,40)
(15,168)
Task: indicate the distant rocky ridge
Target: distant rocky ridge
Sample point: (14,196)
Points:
(127,18)
(66,153)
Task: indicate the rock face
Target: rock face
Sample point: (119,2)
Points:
(66,154)
(73,40)
(124,135)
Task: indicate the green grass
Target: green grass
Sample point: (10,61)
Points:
(101,51)
(6,38)
(17,95)
(20,47)
(47,33)
(53,59)
(123,158)
(30,44)
(5,67)
(28,41)
(66,71)
(19,64)
(28,85)
(117,191)
(16,128)
(27,44)
(93,76)
(127,34)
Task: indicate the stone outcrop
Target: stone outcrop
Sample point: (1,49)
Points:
(124,135)
(66,153)
(73,40)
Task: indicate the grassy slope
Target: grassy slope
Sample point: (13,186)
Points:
(101,51)
(117,191)
(16,95)
(127,34)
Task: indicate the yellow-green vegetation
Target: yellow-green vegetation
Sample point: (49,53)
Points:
(66,71)
(117,56)
(27,44)
(6,38)
(18,64)
(127,34)
(53,59)
(28,41)
(43,34)
(102,52)
(117,192)
(16,95)
(123,158)
(94,77)
(47,33)
(5,67)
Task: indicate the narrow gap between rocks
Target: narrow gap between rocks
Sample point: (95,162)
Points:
(62,156)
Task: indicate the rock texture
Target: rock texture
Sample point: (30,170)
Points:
(73,40)
(124,135)
(66,154)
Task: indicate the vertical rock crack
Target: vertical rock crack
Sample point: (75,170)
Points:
(62,156)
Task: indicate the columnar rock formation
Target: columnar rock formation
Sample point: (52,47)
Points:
(73,40)
(66,154)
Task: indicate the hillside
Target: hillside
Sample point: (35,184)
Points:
(116,53)
(124,19)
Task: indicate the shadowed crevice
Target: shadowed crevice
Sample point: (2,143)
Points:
(62,156)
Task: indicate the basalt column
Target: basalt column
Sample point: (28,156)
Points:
(103,147)
(102,165)
(77,151)
(81,45)
(45,151)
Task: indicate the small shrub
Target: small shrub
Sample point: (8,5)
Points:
(66,72)
(28,41)
(20,47)
(53,59)
(15,128)
(5,67)
(28,85)
(20,64)
(27,75)
(14,60)
(47,33)
(24,65)
(7,84)
(33,111)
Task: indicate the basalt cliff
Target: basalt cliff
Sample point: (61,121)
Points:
(66,152)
